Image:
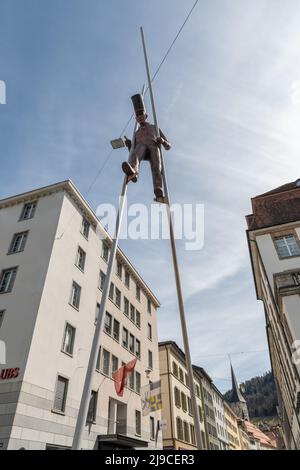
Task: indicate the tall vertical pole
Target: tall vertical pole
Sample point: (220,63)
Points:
(87,388)
(176,267)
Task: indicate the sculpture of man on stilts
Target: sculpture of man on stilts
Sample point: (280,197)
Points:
(145,146)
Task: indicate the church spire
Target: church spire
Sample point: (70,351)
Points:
(237,401)
(236,394)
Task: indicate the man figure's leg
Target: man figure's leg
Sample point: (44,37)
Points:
(156,167)
(131,168)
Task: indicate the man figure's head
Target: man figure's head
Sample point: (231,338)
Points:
(141,118)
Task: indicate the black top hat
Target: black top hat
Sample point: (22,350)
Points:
(138,104)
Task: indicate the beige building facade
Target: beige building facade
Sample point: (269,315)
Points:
(274,245)
(179,431)
(231,421)
(53,260)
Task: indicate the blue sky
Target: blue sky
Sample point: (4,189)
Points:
(228,98)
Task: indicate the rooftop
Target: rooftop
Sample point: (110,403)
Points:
(275,207)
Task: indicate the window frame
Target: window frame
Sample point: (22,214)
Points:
(64,402)
(92,419)
(32,213)
(72,295)
(102,362)
(72,339)
(150,355)
(23,244)
(12,279)
(108,330)
(127,279)
(283,235)
(149,331)
(83,227)
(138,428)
(80,251)
(152,428)
(2,315)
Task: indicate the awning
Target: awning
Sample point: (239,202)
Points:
(121,440)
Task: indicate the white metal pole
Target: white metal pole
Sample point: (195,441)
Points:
(87,388)
(176,268)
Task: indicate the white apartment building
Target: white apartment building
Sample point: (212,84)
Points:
(218,402)
(179,430)
(52,268)
(274,245)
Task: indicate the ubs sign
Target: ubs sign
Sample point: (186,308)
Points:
(12,373)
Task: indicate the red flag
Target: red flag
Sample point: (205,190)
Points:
(119,376)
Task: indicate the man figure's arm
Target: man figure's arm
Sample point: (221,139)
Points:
(162,140)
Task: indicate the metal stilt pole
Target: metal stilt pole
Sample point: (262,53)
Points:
(87,388)
(176,268)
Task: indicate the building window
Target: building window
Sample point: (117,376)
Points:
(150,360)
(92,411)
(138,292)
(7,280)
(80,259)
(138,319)
(186,431)
(131,343)
(76,293)
(108,323)
(60,397)
(287,246)
(18,242)
(137,382)
(186,380)
(69,338)
(152,428)
(98,359)
(101,280)
(116,330)
(118,297)
(2,312)
(127,279)
(132,313)
(125,338)
(149,331)
(200,414)
(97,312)
(179,429)
(105,362)
(149,306)
(138,348)
(119,269)
(138,422)
(198,391)
(131,380)
(189,402)
(181,378)
(126,307)
(114,364)
(28,211)
(183,402)
(105,252)
(85,228)
(177,397)
(192,432)
(111,291)
(175,369)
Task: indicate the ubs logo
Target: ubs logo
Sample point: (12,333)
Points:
(2,92)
